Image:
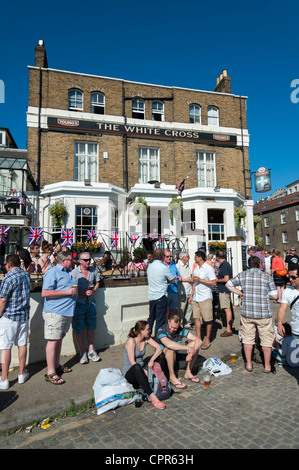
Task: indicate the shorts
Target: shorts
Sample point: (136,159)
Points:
(84,315)
(264,328)
(224,299)
(13,332)
(172,300)
(203,309)
(55,326)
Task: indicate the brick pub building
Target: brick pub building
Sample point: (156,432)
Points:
(101,143)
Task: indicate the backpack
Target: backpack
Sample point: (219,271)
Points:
(158,382)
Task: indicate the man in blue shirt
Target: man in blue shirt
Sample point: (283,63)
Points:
(172,290)
(158,277)
(60,300)
(14,321)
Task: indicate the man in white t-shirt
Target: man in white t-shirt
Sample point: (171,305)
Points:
(288,297)
(267,256)
(201,298)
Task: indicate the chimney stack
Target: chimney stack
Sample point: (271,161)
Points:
(41,55)
(223,83)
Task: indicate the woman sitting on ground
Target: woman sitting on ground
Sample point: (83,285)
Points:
(133,370)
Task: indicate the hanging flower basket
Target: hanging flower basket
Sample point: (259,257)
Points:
(174,208)
(140,208)
(240,214)
(58,212)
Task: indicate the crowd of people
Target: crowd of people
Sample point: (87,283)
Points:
(180,300)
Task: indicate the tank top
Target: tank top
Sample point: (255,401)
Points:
(138,358)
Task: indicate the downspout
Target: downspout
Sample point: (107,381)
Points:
(39,143)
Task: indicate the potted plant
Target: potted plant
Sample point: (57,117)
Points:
(174,208)
(140,208)
(240,214)
(58,212)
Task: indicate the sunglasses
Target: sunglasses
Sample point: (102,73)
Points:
(294,277)
(85,259)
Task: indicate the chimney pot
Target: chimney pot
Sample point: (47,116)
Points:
(224,71)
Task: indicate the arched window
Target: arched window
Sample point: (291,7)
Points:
(213,116)
(157,111)
(97,103)
(138,108)
(195,114)
(76,100)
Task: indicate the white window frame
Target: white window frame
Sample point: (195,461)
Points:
(283,218)
(297,235)
(212,230)
(266,221)
(194,117)
(138,107)
(213,116)
(86,156)
(284,236)
(147,156)
(97,101)
(114,219)
(157,111)
(297,214)
(77,104)
(267,239)
(205,166)
(81,230)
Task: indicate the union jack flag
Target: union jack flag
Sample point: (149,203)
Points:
(35,234)
(67,236)
(114,239)
(181,186)
(91,234)
(21,200)
(134,237)
(4,229)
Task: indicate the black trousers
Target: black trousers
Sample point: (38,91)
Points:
(137,376)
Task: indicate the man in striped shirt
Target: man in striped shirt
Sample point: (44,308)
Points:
(256,314)
(14,321)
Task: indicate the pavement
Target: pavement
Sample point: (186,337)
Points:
(241,410)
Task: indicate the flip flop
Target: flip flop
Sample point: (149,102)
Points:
(205,346)
(179,385)
(193,379)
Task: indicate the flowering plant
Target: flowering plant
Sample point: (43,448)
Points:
(79,247)
(140,208)
(217,246)
(58,212)
(240,213)
(174,208)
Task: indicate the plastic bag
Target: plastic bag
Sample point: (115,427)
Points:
(111,390)
(216,367)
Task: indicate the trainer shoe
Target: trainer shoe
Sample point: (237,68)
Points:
(83,358)
(94,356)
(4,384)
(22,378)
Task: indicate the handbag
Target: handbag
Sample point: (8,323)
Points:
(281,272)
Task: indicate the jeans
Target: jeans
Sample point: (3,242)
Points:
(158,311)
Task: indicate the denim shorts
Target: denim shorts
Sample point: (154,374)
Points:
(84,315)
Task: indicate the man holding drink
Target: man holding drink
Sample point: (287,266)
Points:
(85,313)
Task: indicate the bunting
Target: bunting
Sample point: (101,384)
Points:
(35,234)
(91,234)
(4,230)
(114,239)
(67,236)
(134,237)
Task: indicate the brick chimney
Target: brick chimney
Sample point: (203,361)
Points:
(223,83)
(41,55)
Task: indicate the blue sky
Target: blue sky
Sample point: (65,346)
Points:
(175,43)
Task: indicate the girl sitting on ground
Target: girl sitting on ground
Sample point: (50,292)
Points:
(133,370)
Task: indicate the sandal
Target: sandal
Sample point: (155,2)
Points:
(193,379)
(63,369)
(206,346)
(179,385)
(54,379)
(158,404)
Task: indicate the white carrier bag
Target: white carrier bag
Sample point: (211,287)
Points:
(216,367)
(111,390)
